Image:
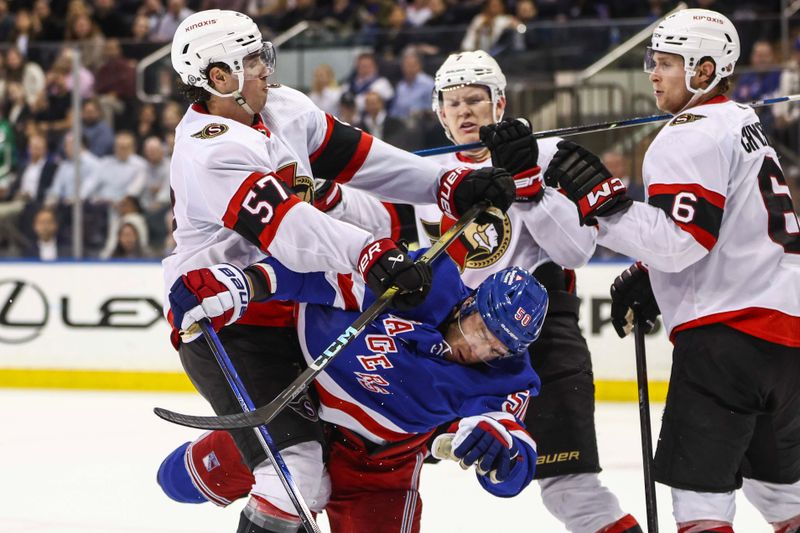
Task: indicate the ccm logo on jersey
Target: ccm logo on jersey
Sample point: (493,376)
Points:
(603,191)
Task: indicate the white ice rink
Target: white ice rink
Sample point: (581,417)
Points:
(85,462)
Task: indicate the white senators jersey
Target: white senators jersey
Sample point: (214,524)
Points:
(529,235)
(719,231)
(238,190)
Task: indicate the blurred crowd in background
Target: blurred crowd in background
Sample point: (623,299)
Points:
(126,143)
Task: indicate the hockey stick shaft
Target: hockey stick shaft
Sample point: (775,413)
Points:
(261,431)
(644,424)
(265,414)
(599,126)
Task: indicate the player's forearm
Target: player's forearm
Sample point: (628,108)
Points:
(364,211)
(646,233)
(554,224)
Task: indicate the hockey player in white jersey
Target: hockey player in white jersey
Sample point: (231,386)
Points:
(720,244)
(540,232)
(239,159)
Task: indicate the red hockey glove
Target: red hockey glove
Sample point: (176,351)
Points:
(632,295)
(219,293)
(587,182)
(382,264)
(461,188)
(327,194)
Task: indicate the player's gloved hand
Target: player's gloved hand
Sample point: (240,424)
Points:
(632,295)
(587,182)
(461,188)
(327,194)
(383,264)
(511,144)
(219,293)
(482,441)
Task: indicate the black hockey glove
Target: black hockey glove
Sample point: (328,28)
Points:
(383,264)
(632,296)
(511,144)
(461,188)
(587,182)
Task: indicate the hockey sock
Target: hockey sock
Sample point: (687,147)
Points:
(174,478)
(626,524)
(705,526)
(260,516)
(791,525)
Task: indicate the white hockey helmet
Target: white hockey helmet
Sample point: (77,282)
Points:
(469,68)
(695,34)
(219,36)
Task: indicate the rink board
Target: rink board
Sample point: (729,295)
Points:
(98,325)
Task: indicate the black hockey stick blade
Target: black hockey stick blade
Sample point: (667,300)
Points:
(264,414)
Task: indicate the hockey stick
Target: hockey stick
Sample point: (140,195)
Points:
(263,415)
(262,434)
(599,126)
(644,424)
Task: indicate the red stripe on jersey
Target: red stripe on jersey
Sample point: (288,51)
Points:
(232,212)
(275,313)
(464,158)
(269,231)
(510,425)
(345,282)
(328,132)
(719,99)
(700,235)
(714,198)
(766,324)
(332,402)
(364,145)
(395,224)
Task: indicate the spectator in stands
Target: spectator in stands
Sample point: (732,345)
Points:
(325,90)
(418,12)
(52,26)
(155,197)
(131,240)
(98,132)
(63,65)
(366,78)
(413,93)
(487,27)
(168,21)
(787,115)
(45,245)
(8,151)
(83,32)
(303,10)
(24,31)
(116,84)
(147,125)
(377,122)
(395,35)
(28,73)
(620,167)
(440,30)
(170,117)
(18,113)
(340,17)
(347,109)
(118,175)
(110,21)
(6,21)
(37,175)
(62,191)
(760,82)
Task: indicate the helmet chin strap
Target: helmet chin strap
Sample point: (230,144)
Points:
(697,94)
(236,95)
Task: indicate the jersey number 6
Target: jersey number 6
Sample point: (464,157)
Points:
(782,223)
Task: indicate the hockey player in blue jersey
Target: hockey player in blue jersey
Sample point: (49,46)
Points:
(444,375)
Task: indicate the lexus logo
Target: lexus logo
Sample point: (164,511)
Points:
(23,311)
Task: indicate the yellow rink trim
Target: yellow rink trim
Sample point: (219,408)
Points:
(608,391)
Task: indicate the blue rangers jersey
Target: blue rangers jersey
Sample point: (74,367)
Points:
(392,382)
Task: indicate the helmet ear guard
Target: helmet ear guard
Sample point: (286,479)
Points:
(513,305)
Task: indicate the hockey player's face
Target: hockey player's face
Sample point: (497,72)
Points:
(465,110)
(471,341)
(668,78)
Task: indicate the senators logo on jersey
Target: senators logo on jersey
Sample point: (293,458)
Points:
(685,118)
(210,131)
(480,246)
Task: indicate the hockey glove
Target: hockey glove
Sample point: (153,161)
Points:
(327,194)
(219,293)
(587,182)
(382,264)
(632,296)
(461,188)
(511,144)
(482,441)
